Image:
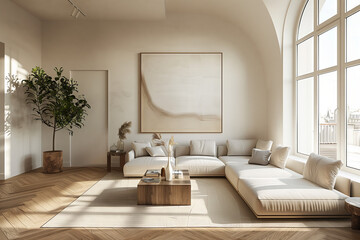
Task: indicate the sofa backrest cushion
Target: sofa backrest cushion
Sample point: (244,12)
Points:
(260,157)
(264,145)
(355,188)
(203,148)
(322,170)
(157,151)
(242,147)
(182,150)
(140,148)
(296,164)
(343,184)
(221,150)
(279,156)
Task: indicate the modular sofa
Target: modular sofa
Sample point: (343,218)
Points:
(270,192)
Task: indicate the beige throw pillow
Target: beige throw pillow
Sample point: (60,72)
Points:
(264,145)
(164,146)
(140,148)
(241,147)
(322,170)
(279,156)
(156,151)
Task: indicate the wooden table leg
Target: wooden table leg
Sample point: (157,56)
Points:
(355,222)
(109,162)
(122,162)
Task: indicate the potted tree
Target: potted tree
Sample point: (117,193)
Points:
(56,105)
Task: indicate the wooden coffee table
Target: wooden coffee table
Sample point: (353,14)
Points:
(352,205)
(175,192)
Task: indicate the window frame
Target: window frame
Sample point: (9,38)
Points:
(339,21)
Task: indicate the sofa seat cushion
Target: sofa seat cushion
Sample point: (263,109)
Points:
(234,159)
(201,165)
(138,166)
(242,169)
(290,196)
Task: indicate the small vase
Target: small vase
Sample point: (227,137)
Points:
(169,169)
(120,145)
(113,148)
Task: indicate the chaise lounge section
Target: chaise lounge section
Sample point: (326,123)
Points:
(272,192)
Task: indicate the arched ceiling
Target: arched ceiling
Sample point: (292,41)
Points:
(261,20)
(251,15)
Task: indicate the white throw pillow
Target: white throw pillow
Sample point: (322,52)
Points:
(156,151)
(322,170)
(260,157)
(279,156)
(264,145)
(140,148)
(240,147)
(203,148)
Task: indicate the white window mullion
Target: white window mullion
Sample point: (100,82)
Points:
(303,39)
(352,63)
(342,87)
(305,76)
(316,85)
(316,16)
(327,70)
(351,12)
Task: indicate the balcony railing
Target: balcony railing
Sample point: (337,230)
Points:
(327,133)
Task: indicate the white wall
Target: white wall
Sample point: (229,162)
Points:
(2,111)
(280,69)
(21,34)
(114,46)
(289,68)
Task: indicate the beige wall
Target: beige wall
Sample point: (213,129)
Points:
(2,111)
(114,46)
(21,34)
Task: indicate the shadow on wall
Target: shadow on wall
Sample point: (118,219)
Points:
(16,114)
(14,117)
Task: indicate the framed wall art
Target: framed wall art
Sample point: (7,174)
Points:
(181,92)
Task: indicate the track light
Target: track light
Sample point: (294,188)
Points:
(76,11)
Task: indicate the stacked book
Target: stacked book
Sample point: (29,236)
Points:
(152,176)
(153,173)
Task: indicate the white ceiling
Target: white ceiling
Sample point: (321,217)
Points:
(251,16)
(96,9)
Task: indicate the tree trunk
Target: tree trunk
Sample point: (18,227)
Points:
(54,131)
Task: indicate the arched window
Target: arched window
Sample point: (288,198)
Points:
(328,80)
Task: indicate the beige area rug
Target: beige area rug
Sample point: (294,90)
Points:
(111,202)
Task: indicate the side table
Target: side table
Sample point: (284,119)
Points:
(119,154)
(352,205)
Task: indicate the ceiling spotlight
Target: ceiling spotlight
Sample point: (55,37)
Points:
(76,11)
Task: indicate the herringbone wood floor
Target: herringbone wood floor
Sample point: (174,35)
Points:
(29,200)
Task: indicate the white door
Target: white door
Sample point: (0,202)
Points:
(88,145)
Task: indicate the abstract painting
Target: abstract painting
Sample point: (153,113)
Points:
(181,92)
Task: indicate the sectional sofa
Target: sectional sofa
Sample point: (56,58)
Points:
(270,191)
